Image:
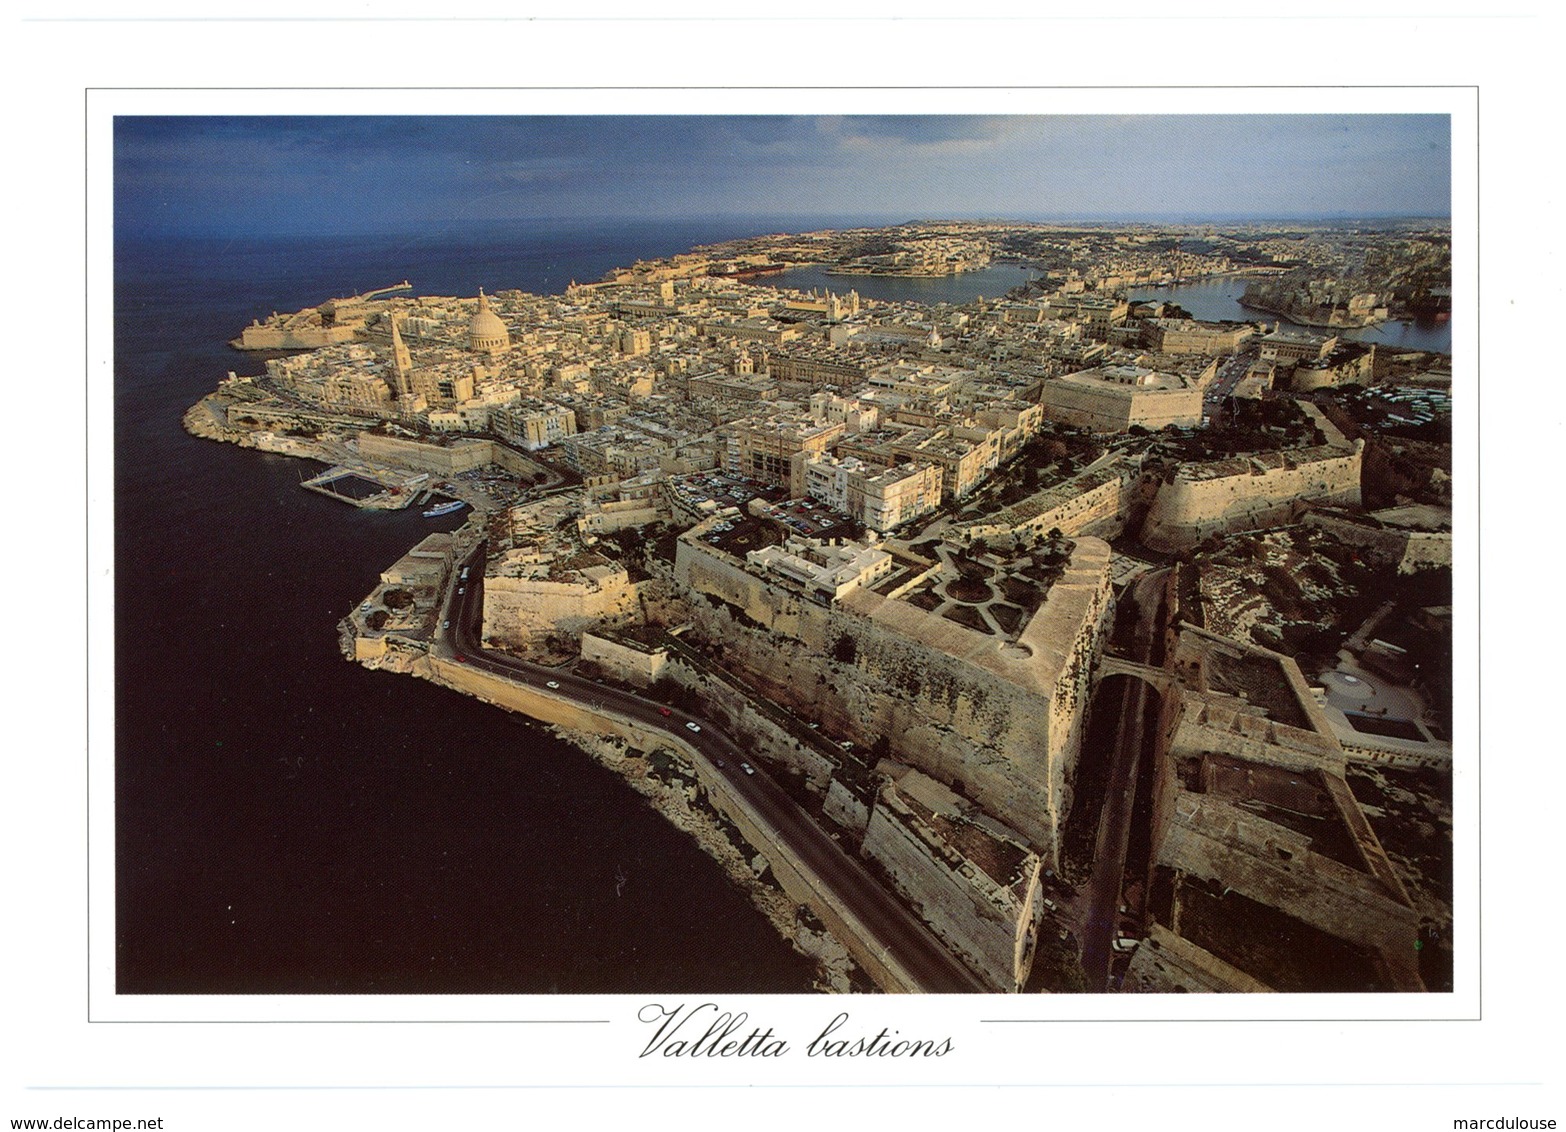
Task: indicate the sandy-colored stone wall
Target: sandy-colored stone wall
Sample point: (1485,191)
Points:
(1409,551)
(845,809)
(979,927)
(748,726)
(259,337)
(1116,409)
(1166,963)
(796,879)
(637,666)
(1218,841)
(510,460)
(461,456)
(1260,491)
(518,611)
(1001,722)
(1094,502)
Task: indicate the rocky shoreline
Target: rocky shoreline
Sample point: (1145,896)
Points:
(680,804)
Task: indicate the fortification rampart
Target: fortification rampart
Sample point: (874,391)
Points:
(1093,502)
(520,611)
(1250,492)
(272,337)
(1218,841)
(625,660)
(242,418)
(746,723)
(1106,407)
(1167,963)
(1408,550)
(438,459)
(1001,721)
(1382,751)
(980,922)
(796,878)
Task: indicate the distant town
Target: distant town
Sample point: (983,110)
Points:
(1056,641)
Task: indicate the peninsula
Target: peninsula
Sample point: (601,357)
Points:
(1054,641)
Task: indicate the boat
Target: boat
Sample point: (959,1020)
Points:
(444,508)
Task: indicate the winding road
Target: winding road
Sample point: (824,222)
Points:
(893,928)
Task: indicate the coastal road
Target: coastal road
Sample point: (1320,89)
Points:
(893,926)
(1230,371)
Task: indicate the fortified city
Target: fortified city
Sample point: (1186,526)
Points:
(1051,641)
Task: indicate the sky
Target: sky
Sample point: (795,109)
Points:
(244,176)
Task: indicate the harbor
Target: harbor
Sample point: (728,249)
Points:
(379,489)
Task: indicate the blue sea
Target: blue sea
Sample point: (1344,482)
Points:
(1217,300)
(289,822)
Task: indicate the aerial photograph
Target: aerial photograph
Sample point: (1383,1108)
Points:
(608,554)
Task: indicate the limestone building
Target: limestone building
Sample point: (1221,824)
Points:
(1188,336)
(883,499)
(766,448)
(533,425)
(1114,398)
(825,570)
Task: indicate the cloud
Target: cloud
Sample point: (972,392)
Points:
(226,173)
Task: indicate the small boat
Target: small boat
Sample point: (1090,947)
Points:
(444,508)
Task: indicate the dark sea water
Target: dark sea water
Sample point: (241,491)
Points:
(1217,300)
(288,822)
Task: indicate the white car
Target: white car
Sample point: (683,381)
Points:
(552,684)
(693,727)
(747,768)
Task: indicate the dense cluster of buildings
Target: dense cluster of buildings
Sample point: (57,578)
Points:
(874,528)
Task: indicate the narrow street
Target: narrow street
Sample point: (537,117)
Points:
(1101,897)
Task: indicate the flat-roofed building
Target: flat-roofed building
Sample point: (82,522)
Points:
(881,498)
(965,455)
(1114,398)
(1289,347)
(1188,336)
(858,414)
(766,448)
(1096,313)
(357,391)
(825,571)
(754,329)
(533,425)
(732,387)
(884,500)
(817,366)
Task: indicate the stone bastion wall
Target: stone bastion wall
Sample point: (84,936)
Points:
(518,611)
(1001,722)
(1249,492)
(797,879)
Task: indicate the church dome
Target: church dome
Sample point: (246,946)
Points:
(486,333)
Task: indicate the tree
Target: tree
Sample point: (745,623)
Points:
(844,649)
